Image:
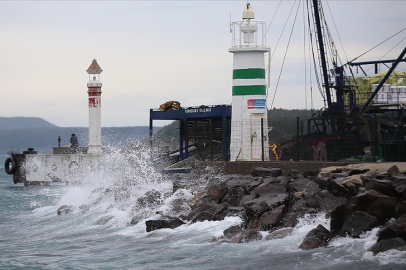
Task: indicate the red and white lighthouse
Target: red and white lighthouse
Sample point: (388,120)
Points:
(94,90)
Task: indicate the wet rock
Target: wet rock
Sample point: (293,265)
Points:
(234,196)
(210,207)
(240,181)
(150,198)
(199,199)
(248,188)
(247,236)
(400,209)
(164,223)
(202,216)
(357,223)
(327,202)
(268,188)
(281,233)
(65,209)
(335,187)
(232,231)
(255,208)
(260,171)
(318,237)
(216,192)
(247,198)
(307,187)
(337,218)
(271,219)
(272,200)
(394,229)
(298,210)
(382,186)
(373,203)
(104,220)
(387,244)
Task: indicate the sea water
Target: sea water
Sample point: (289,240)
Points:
(100,236)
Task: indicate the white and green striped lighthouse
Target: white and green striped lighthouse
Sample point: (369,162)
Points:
(249,89)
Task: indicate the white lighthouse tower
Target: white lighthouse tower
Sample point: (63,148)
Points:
(249,108)
(94,90)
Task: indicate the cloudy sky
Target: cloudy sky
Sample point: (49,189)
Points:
(155,51)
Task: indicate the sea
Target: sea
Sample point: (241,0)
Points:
(98,234)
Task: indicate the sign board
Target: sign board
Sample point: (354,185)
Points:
(256,103)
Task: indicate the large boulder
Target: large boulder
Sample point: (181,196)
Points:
(232,231)
(255,208)
(327,202)
(382,186)
(260,171)
(268,187)
(272,200)
(209,211)
(337,218)
(239,181)
(217,192)
(280,233)
(164,223)
(307,187)
(65,209)
(357,223)
(387,244)
(234,196)
(248,235)
(400,209)
(249,187)
(199,199)
(318,237)
(373,203)
(298,210)
(394,229)
(271,219)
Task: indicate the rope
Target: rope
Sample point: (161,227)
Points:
(338,34)
(376,45)
(266,32)
(283,30)
(388,52)
(286,51)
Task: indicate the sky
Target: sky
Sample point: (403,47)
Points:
(155,51)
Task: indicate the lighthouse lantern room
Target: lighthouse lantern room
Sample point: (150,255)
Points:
(249,121)
(94,91)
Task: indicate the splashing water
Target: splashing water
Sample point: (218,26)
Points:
(106,228)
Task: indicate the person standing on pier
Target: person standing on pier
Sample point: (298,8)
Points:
(74,144)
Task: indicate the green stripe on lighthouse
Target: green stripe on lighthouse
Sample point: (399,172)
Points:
(251,73)
(246,90)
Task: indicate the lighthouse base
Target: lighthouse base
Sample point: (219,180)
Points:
(94,149)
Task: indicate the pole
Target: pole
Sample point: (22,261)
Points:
(262,139)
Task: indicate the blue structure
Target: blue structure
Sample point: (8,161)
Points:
(193,120)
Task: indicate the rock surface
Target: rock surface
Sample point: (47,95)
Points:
(357,198)
(318,237)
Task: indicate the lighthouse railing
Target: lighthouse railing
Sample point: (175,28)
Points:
(237,34)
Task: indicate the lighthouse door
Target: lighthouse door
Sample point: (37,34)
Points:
(256,136)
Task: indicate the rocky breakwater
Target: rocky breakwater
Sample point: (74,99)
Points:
(356,200)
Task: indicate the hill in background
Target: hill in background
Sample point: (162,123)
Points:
(19,133)
(12,123)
